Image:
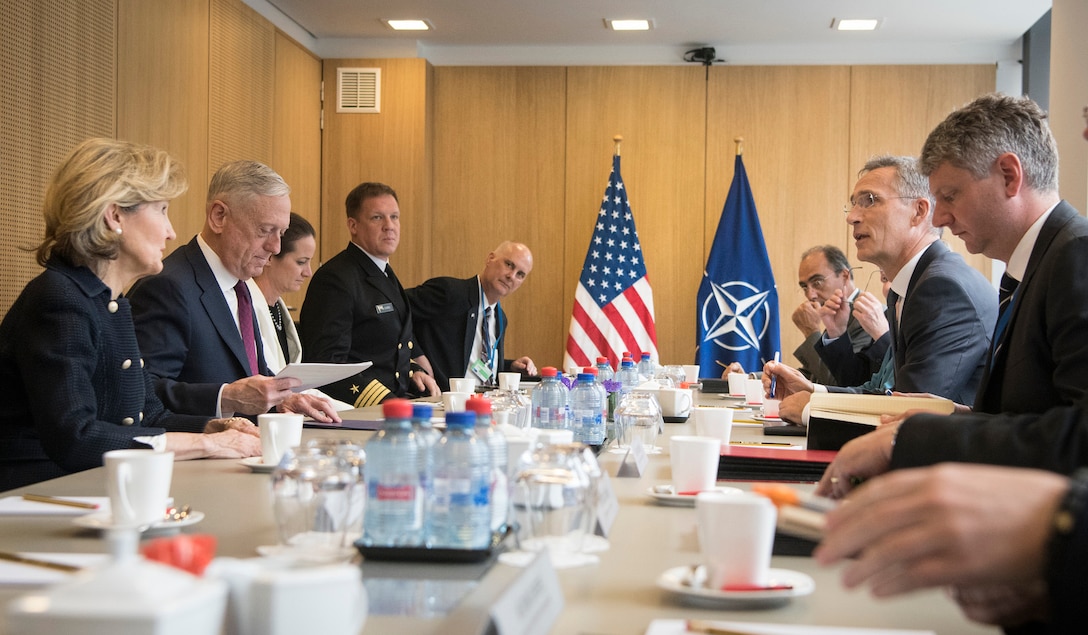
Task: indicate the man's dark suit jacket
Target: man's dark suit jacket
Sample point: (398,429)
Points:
(949,312)
(1043,360)
(188,333)
(444,314)
(852,359)
(355,313)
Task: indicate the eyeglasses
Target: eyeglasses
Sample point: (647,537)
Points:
(865,200)
(816,282)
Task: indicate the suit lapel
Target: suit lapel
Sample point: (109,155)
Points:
(215,305)
(472,292)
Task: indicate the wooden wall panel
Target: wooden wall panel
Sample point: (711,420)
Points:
(893,109)
(296,133)
(58,65)
(794,121)
(661,113)
(162,88)
(498,175)
(392,147)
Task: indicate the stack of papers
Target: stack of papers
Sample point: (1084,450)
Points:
(679,627)
(867,409)
(17,506)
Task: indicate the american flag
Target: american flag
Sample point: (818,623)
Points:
(613,306)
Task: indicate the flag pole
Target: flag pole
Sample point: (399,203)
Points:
(618,139)
(740,145)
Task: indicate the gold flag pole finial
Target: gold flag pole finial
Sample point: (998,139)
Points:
(740,145)
(618,139)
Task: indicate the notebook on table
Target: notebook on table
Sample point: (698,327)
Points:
(761,463)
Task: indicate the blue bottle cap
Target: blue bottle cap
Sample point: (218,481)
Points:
(586,377)
(460,420)
(422,411)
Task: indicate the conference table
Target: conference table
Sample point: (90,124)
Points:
(616,596)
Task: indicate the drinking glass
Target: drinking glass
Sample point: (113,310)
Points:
(313,493)
(638,415)
(554,499)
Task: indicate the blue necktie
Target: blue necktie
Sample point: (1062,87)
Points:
(485,339)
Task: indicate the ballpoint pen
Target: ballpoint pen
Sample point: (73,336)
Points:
(777,356)
(52,500)
(34,562)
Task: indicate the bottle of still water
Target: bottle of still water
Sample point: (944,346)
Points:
(585,408)
(550,401)
(395,473)
(497,451)
(627,375)
(646,368)
(461,511)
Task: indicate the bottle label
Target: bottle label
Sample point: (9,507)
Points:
(403,493)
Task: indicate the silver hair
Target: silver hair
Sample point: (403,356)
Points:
(246,179)
(972,138)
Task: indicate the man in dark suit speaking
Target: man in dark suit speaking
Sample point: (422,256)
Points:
(195,321)
(356,310)
(461,324)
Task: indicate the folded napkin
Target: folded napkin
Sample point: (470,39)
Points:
(15,573)
(17,506)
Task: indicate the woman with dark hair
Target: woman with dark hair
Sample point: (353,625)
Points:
(285,273)
(72,379)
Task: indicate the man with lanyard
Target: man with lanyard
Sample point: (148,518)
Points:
(460,322)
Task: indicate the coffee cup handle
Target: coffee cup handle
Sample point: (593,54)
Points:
(124,476)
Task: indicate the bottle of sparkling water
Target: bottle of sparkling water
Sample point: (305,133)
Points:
(550,401)
(395,473)
(461,512)
(428,438)
(496,443)
(585,407)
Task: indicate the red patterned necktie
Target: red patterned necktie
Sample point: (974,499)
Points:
(245,324)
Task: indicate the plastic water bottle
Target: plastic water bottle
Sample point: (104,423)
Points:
(599,385)
(585,407)
(496,443)
(550,401)
(628,375)
(604,370)
(646,367)
(395,473)
(461,516)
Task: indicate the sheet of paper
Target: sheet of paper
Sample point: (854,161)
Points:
(16,573)
(16,506)
(677,627)
(316,375)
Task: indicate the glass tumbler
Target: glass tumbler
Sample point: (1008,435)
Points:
(638,415)
(313,493)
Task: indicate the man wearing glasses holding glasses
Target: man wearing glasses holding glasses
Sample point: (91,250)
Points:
(941,311)
(825,273)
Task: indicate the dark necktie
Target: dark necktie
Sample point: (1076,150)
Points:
(245,324)
(893,314)
(1005,293)
(485,339)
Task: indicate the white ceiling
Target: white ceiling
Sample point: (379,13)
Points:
(743,31)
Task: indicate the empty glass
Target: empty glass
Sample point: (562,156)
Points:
(638,415)
(555,496)
(313,493)
(670,376)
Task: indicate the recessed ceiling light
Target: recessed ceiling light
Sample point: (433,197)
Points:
(408,25)
(868,24)
(630,25)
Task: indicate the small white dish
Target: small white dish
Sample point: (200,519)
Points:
(104,520)
(257,464)
(666,495)
(678,582)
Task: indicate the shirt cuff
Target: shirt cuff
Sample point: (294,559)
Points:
(157,442)
(819,388)
(219,414)
(828,340)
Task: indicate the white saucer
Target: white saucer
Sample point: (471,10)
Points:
(257,464)
(674,579)
(104,520)
(770,419)
(672,499)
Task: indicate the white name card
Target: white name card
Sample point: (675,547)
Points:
(638,460)
(607,505)
(532,603)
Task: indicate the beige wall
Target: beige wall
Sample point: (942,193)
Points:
(479,155)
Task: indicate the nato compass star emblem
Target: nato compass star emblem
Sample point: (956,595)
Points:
(735,316)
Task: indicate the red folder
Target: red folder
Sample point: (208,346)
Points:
(761,463)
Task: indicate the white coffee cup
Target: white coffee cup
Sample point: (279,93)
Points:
(675,402)
(280,431)
(770,408)
(714,422)
(138,484)
(462,384)
(509,381)
(455,401)
(694,463)
(753,392)
(737,382)
(736,535)
(691,373)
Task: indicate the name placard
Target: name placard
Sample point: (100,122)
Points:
(634,462)
(607,505)
(532,603)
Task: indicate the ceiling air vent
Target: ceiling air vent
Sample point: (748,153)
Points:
(359,90)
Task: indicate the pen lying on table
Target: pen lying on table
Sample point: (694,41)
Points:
(53,500)
(45,564)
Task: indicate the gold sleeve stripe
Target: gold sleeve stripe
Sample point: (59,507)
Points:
(373,394)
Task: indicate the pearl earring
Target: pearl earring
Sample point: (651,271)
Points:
(119,231)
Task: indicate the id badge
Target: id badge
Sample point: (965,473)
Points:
(481,370)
